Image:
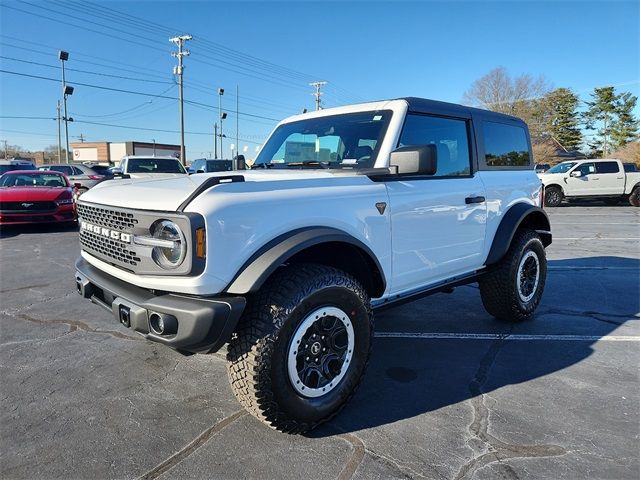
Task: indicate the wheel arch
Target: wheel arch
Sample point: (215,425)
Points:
(555,185)
(322,245)
(520,215)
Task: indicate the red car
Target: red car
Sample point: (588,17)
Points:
(31,196)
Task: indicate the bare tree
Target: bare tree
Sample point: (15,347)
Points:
(522,96)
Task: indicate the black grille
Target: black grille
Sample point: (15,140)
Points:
(108,247)
(107,217)
(27,206)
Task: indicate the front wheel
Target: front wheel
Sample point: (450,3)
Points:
(552,197)
(512,289)
(302,347)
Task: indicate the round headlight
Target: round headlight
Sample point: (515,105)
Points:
(168,257)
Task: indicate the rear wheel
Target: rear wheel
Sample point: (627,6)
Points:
(302,347)
(634,198)
(512,290)
(552,196)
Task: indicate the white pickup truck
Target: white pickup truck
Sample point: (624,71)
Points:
(346,211)
(148,167)
(604,179)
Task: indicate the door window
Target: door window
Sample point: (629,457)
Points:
(586,168)
(63,169)
(448,135)
(607,167)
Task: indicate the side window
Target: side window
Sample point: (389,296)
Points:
(63,169)
(77,171)
(448,135)
(505,145)
(586,168)
(607,167)
(197,165)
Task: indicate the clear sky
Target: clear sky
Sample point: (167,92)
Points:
(271,51)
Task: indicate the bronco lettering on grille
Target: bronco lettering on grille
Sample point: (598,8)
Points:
(105,232)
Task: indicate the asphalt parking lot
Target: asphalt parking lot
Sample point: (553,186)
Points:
(450,393)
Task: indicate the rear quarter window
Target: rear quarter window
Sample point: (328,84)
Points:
(505,145)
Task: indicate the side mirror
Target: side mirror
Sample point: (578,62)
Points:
(576,173)
(77,185)
(415,160)
(116,172)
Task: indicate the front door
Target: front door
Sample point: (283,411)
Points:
(586,184)
(436,234)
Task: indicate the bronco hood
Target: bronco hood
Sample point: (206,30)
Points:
(167,194)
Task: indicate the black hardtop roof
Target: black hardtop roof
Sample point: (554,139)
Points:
(424,105)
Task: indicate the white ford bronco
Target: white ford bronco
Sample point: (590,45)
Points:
(345,211)
(602,179)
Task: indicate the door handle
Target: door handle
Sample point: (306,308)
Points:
(477,199)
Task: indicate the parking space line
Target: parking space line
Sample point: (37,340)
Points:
(582,267)
(516,337)
(596,238)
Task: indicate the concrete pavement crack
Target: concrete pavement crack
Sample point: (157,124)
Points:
(75,325)
(489,449)
(192,446)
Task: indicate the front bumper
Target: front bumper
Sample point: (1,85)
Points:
(62,214)
(203,324)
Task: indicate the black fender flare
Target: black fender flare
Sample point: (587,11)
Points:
(520,214)
(259,267)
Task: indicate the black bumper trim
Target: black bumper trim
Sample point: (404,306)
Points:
(205,324)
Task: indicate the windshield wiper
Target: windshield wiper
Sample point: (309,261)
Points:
(307,163)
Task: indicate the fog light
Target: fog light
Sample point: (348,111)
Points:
(163,324)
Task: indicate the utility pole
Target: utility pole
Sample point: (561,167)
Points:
(215,140)
(318,93)
(59,139)
(178,70)
(235,164)
(81,138)
(6,156)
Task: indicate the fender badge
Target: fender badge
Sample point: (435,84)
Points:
(381,206)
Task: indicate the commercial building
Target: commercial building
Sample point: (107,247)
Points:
(112,152)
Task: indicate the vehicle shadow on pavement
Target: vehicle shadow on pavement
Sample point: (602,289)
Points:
(9,231)
(408,377)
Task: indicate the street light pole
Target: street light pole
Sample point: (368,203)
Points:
(179,41)
(59,135)
(220,93)
(64,56)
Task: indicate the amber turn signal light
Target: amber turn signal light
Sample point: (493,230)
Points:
(201,243)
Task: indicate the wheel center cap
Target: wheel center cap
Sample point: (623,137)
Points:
(315,348)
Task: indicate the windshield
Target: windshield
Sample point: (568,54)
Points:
(563,167)
(339,141)
(154,165)
(44,179)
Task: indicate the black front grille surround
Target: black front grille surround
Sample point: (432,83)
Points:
(107,245)
(20,207)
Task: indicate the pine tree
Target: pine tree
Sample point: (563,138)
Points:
(563,119)
(624,128)
(601,111)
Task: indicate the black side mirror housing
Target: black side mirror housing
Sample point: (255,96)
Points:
(415,160)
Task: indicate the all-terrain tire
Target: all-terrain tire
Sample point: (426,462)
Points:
(552,197)
(634,198)
(503,296)
(259,351)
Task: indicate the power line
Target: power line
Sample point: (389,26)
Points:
(132,92)
(85,71)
